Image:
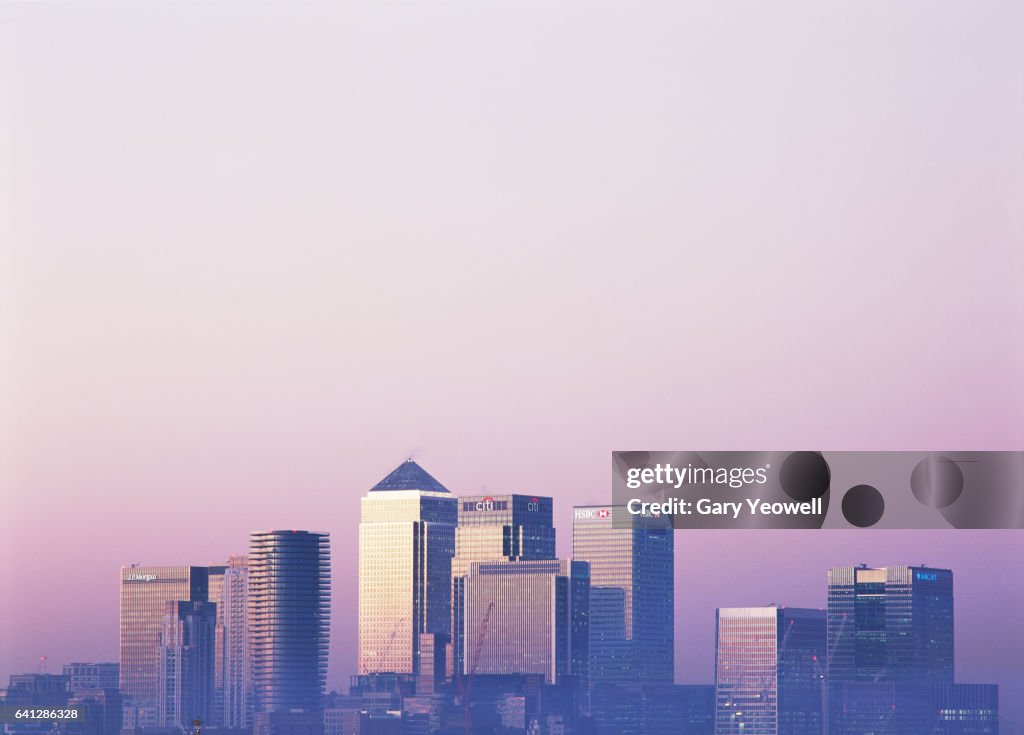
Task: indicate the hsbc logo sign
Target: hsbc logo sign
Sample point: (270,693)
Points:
(591,513)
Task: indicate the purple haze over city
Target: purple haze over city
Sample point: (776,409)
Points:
(253,257)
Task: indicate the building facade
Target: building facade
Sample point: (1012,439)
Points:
(406,544)
(768,673)
(632,577)
(529,617)
(890,624)
(92,676)
(288,610)
(496,528)
(906,708)
(229,589)
(145,592)
(186,664)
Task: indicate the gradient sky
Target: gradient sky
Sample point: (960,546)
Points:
(254,255)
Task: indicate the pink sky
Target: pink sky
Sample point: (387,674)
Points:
(249,263)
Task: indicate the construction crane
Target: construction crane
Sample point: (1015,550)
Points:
(466,680)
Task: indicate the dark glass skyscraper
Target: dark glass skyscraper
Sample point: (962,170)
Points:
(496,528)
(289,618)
(890,624)
(632,578)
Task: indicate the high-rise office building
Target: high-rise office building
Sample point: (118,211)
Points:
(533,617)
(496,528)
(145,592)
(768,671)
(632,577)
(406,543)
(186,663)
(229,589)
(289,598)
(890,624)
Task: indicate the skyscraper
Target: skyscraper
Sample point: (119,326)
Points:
(768,672)
(632,577)
(145,592)
(229,589)
(890,624)
(289,618)
(186,663)
(537,618)
(406,544)
(496,528)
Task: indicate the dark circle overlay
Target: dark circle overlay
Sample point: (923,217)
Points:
(805,476)
(863,506)
(937,481)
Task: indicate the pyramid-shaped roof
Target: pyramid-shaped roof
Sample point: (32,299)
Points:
(409,476)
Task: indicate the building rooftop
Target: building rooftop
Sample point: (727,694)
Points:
(409,476)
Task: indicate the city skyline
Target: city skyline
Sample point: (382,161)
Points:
(691,674)
(240,285)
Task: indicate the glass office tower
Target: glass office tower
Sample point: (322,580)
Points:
(632,578)
(289,598)
(406,543)
(496,528)
(536,614)
(890,624)
(145,592)
(768,672)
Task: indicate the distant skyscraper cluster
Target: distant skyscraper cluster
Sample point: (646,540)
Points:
(469,624)
(879,660)
(241,645)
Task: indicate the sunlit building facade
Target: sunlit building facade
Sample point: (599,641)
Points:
(529,617)
(769,671)
(632,578)
(406,544)
(145,592)
(496,528)
(288,607)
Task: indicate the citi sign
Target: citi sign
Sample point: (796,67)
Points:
(485,504)
(590,513)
